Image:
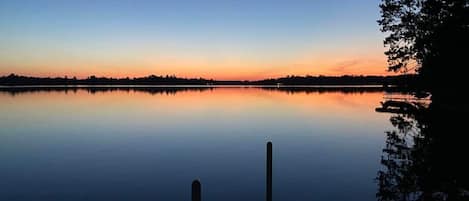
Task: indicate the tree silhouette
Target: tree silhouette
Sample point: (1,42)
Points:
(398,80)
(428,36)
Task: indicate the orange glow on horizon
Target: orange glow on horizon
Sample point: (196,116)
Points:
(222,74)
(328,63)
(216,76)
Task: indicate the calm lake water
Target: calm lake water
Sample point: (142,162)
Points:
(150,143)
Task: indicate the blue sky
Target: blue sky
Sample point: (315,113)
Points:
(216,39)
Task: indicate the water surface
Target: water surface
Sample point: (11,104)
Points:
(150,143)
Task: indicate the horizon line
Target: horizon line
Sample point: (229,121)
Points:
(199,77)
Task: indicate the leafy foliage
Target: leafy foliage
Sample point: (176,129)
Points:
(425,35)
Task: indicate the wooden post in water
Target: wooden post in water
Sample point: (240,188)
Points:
(196,190)
(268,190)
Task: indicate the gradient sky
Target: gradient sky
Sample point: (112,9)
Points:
(220,39)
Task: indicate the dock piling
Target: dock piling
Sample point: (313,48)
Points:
(196,190)
(268,191)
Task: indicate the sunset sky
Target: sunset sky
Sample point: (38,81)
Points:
(219,39)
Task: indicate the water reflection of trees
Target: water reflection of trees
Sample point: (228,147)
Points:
(171,90)
(103,89)
(425,155)
(325,89)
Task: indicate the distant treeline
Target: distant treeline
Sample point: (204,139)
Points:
(13,79)
(399,80)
